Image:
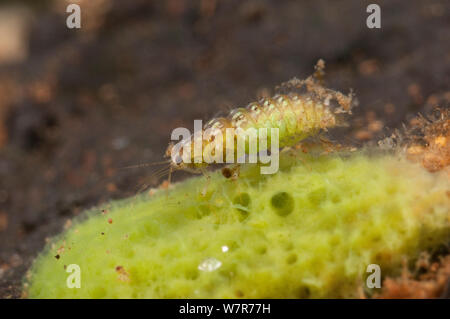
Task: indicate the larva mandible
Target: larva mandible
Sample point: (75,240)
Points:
(296,115)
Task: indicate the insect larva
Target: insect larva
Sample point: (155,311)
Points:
(296,115)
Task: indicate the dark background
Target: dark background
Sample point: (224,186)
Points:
(76,105)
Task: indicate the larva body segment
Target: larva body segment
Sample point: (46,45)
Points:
(296,116)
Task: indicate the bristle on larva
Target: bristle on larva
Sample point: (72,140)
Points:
(305,109)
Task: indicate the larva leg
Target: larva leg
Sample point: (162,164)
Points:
(168,181)
(208,179)
(139,191)
(236,171)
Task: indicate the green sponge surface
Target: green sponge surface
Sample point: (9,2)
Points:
(310,230)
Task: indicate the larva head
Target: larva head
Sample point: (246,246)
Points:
(176,154)
(240,117)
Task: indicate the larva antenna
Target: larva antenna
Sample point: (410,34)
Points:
(116,177)
(145,165)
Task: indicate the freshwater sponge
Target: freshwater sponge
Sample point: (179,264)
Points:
(310,230)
